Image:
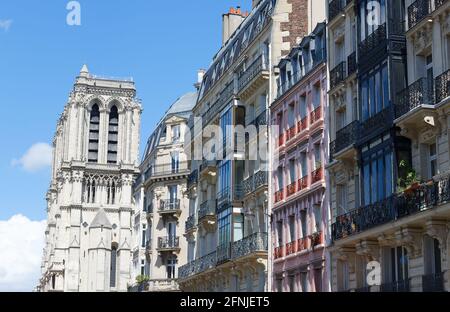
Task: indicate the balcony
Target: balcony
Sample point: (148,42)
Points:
(192,179)
(253,77)
(148,247)
(442,86)
(223,253)
(208,166)
(169,244)
(279,196)
(352,64)
(302,244)
(418,10)
(260,121)
(190,224)
(433,282)
(302,184)
(207,211)
(291,248)
(346,137)
(167,170)
(414,96)
(302,125)
(337,75)
(336,8)
(281,140)
(373,42)
(291,189)
(169,206)
(278,252)
(316,239)
(423,197)
(255,182)
(252,245)
(290,134)
(197,266)
(316,115)
(317,175)
(377,124)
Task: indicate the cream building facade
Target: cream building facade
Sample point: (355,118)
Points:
(161,204)
(95,159)
(229,204)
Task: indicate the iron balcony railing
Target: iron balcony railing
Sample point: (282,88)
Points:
(433,282)
(207,164)
(352,64)
(416,94)
(207,208)
(254,182)
(253,70)
(190,223)
(256,242)
(442,86)
(423,197)
(337,75)
(373,41)
(169,242)
(379,121)
(417,11)
(167,169)
(169,205)
(260,120)
(336,7)
(197,266)
(346,137)
(223,253)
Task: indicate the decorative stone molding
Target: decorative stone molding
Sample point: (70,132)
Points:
(369,249)
(411,239)
(438,229)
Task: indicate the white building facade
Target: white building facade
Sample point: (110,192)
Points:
(95,160)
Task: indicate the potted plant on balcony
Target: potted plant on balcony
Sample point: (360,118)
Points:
(408,182)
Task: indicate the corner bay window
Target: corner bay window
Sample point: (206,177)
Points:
(374,92)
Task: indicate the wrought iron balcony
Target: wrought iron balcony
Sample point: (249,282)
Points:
(253,71)
(168,243)
(279,196)
(278,252)
(253,183)
(290,133)
(302,125)
(302,244)
(414,200)
(346,137)
(438,3)
(281,140)
(291,189)
(337,75)
(433,282)
(442,86)
(261,120)
(291,248)
(336,7)
(316,115)
(417,11)
(169,206)
(208,165)
(254,243)
(302,183)
(224,198)
(171,169)
(317,175)
(372,42)
(207,208)
(379,121)
(223,253)
(198,266)
(416,94)
(352,64)
(316,239)
(192,178)
(190,223)
(397,286)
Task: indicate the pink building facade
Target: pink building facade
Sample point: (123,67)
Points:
(299,204)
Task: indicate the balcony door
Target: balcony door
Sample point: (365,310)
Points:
(171,231)
(175,162)
(171,267)
(173,194)
(396,267)
(432,256)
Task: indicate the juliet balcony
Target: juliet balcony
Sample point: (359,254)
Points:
(419,199)
(338,75)
(168,244)
(253,77)
(346,138)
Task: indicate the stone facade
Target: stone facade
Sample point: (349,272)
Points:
(88,235)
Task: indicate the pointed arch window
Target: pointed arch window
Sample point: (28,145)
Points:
(113,266)
(113,135)
(94,129)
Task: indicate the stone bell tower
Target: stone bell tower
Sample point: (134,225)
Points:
(95,160)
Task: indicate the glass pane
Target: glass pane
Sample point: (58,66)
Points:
(365,100)
(366,175)
(385,86)
(388,173)
(374,174)
(378,92)
(372,103)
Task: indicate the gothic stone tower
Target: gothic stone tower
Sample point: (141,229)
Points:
(95,160)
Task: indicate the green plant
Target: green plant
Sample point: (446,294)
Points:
(140,279)
(408,178)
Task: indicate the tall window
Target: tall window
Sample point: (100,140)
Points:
(238,228)
(374,92)
(113,266)
(175,162)
(303,164)
(303,215)
(113,135)
(94,129)
(341,198)
(176,133)
(90,190)
(292,228)
(317,217)
(396,269)
(433,160)
(372,15)
(302,106)
(224,223)
(171,267)
(111,193)
(280,232)
(432,256)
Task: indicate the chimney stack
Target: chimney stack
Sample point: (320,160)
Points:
(200,75)
(231,22)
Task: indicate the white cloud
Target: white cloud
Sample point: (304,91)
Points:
(5,24)
(36,158)
(21,241)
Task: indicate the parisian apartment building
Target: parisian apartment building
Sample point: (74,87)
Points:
(88,235)
(389,155)
(161,203)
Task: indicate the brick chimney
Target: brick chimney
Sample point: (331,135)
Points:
(231,22)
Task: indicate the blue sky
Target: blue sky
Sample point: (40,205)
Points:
(160,44)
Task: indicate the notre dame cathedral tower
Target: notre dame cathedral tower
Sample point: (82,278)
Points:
(95,159)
